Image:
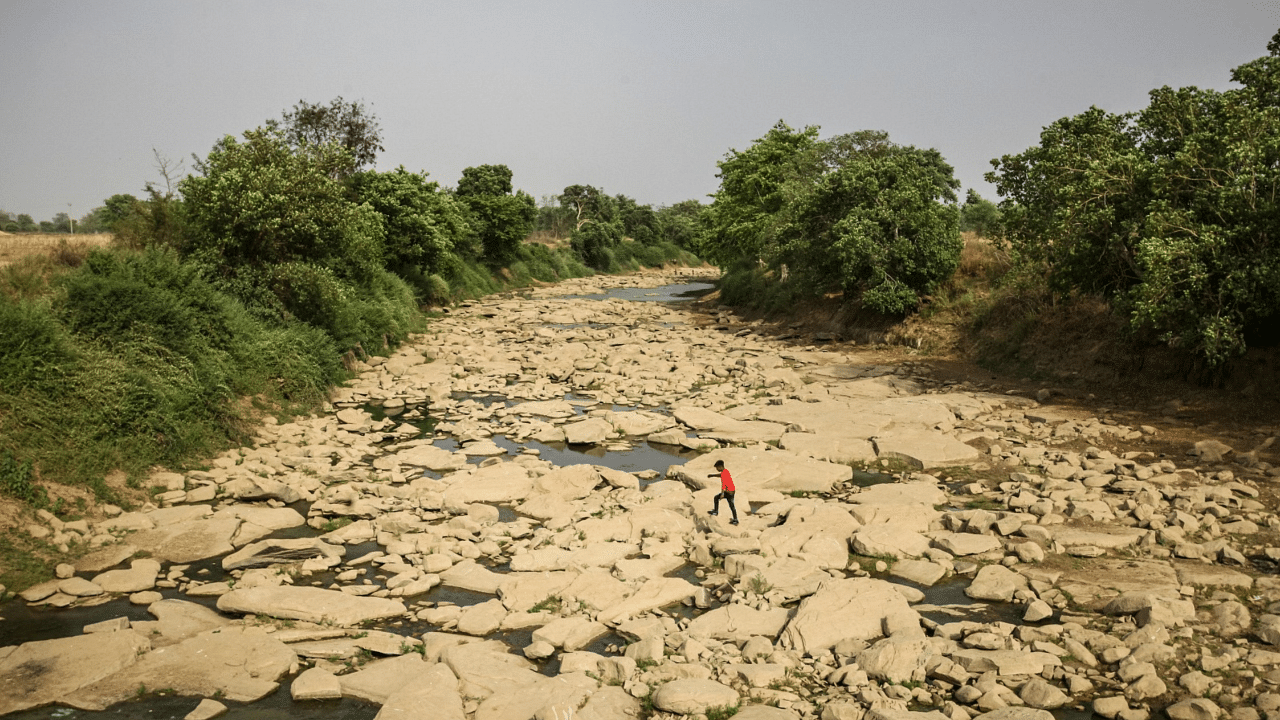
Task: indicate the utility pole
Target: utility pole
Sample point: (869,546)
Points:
(71,219)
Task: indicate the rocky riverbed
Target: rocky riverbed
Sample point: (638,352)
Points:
(508,519)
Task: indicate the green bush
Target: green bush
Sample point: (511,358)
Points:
(17,479)
(36,346)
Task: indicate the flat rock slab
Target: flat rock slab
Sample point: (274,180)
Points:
(240,664)
(1004,662)
(380,679)
(1112,538)
(754,469)
(471,575)
(1211,575)
(281,550)
(311,604)
(495,485)
(924,449)
(140,576)
(107,557)
(1097,581)
(739,622)
(40,673)
(431,694)
(653,594)
(189,540)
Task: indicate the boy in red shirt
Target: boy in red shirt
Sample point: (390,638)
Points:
(726,491)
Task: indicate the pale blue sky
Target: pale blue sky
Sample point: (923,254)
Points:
(640,98)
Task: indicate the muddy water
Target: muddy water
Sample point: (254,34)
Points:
(20,623)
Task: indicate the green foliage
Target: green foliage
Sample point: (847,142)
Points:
(594,242)
(854,213)
(741,217)
(36,345)
(639,222)
(1170,212)
(135,360)
(680,224)
(421,222)
(981,216)
(257,202)
(18,480)
(550,603)
(313,128)
(500,219)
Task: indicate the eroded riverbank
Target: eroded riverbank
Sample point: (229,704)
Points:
(508,519)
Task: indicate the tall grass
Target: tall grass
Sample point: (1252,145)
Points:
(133,360)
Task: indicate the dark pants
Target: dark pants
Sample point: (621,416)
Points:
(728,496)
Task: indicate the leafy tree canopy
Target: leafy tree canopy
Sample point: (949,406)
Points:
(311,126)
(256,202)
(422,223)
(853,213)
(1172,212)
(500,219)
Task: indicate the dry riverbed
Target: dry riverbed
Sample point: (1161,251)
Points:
(508,519)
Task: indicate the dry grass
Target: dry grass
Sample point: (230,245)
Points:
(66,249)
(982,259)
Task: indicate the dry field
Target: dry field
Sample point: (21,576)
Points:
(16,246)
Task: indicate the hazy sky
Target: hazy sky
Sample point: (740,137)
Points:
(640,98)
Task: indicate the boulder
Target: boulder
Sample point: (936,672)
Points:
(995,582)
(857,608)
(689,696)
(571,482)
(189,540)
(738,623)
(431,694)
(316,684)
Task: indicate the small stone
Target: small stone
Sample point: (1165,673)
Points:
(1110,707)
(206,710)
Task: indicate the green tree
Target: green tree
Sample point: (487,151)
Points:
(117,208)
(873,219)
(679,224)
(1170,212)
(981,216)
(26,223)
(1076,203)
(309,127)
(855,213)
(274,228)
(741,219)
(422,223)
(639,222)
(499,218)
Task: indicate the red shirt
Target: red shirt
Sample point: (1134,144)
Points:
(726,481)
